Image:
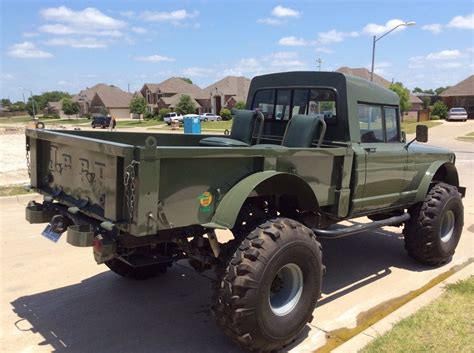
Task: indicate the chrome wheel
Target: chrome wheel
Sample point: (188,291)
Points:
(286,289)
(447,226)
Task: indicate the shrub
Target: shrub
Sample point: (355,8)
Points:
(148,115)
(434,117)
(225,114)
(440,109)
(162,112)
(52,116)
(240,105)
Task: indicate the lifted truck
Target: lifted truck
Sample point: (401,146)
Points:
(311,150)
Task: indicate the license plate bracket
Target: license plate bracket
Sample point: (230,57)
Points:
(50,234)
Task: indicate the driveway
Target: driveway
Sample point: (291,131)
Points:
(55,298)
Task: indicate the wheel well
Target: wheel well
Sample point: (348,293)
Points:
(448,174)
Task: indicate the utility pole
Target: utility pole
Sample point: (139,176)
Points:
(128,87)
(319,62)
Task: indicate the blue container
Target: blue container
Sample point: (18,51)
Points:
(192,124)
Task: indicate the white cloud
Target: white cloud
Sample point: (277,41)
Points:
(60,29)
(89,42)
(380,68)
(128,14)
(279,15)
(30,34)
(27,50)
(154,58)
(198,71)
(280,11)
(445,55)
(6,76)
(376,29)
(270,21)
(293,41)
(275,62)
(434,28)
(163,16)
(334,36)
(324,50)
(463,22)
(63,83)
(88,21)
(448,58)
(139,30)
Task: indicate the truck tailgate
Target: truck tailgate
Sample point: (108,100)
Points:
(80,171)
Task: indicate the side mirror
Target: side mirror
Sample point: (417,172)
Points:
(422,133)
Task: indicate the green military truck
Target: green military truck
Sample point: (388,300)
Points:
(311,149)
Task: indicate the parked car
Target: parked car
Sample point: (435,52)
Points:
(457,114)
(210,117)
(101,121)
(168,118)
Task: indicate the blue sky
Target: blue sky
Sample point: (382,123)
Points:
(68,45)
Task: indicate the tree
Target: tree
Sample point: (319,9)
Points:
(185,105)
(240,105)
(403,94)
(440,109)
(417,90)
(70,107)
(6,102)
(440,90)
(40,101)
(426,102)
(186,79)
(162,112)
(18,106)
(138,105)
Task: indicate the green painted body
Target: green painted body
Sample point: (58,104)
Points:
(179,183)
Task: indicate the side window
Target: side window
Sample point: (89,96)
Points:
(370,122)
(322,101)
(282,108)
(300,101)
(265,102)
(391,127)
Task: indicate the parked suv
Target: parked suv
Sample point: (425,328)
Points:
(168,118)
(457,114)
(101,121)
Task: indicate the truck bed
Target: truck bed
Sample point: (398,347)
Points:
(157,176)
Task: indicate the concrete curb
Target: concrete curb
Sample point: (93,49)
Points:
(359,341)
(23,198)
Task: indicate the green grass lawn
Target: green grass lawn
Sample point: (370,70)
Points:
(12,190)
(138,123)
(468,137)
(410,127)
(446,325)
(16,120)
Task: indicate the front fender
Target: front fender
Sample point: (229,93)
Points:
(263,183)
(439,171)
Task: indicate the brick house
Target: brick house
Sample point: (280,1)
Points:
(111,100)
(461,95)
(227,92)
(167,94)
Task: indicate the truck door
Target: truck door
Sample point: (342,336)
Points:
(384,156)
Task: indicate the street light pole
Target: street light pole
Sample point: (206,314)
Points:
(375,40)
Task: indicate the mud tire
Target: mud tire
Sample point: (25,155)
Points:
(242,297)
(424,240)
(136,273)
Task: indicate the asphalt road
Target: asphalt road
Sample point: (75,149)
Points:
(54,297)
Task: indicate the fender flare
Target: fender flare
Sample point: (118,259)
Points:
(229,207)
(440,171)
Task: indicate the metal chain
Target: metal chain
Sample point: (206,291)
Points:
(28,165)
(129,183)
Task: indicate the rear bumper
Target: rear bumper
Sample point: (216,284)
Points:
(457,117)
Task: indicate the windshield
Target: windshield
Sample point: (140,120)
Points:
(458,110)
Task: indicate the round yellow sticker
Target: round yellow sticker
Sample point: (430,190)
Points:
(205,199)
